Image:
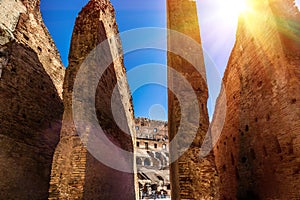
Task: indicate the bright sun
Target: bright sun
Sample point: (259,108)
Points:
(233,7)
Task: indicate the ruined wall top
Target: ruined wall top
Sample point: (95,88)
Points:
(22,21)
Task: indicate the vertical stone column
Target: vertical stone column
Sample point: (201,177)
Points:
(192,177)
(76,173)
(258,154)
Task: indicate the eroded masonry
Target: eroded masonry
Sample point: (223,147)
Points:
(76,173)
(192,177)
(31,78)
(258,153)
(45,154)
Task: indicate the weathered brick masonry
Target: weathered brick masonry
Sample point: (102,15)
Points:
(258,154)
(256,157)
(192,177)
(76,174)
(31,78)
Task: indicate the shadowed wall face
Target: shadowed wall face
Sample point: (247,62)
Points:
(192,177)
(31,77)
(76,173)
(258,153)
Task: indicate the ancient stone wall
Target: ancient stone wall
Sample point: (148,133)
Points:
(31,77)
(76,173)
(22,21)
(152,158)
(151,129)
(192,177)
(257,155)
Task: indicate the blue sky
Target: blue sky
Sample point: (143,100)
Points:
(217,25)
(59,16)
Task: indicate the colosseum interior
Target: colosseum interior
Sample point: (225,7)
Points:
(254,134)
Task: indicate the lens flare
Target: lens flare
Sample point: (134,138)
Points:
(233,7)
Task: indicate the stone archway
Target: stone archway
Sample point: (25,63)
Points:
(147,162)
(139,161)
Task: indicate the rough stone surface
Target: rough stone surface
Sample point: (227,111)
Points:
(30,104)
(76,174)
(22,20)
(258,153)
(192,177)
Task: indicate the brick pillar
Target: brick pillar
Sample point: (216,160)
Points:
(76,173)
(192,177)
